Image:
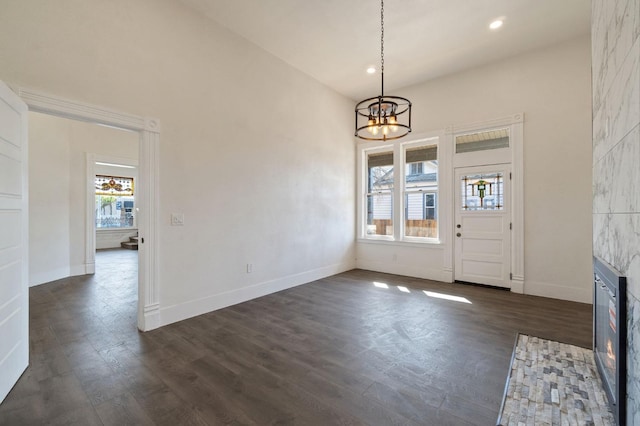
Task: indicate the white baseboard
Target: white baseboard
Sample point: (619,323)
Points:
(182,311)
(555,291)
(407,270)
(60,273)
(82,269)
(517,284)
(150,318)
(48,276)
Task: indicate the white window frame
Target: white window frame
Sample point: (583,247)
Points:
(399,200)
(364,193)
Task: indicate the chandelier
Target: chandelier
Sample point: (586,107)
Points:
(383,117)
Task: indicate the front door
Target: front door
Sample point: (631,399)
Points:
(14,223)
(482,225)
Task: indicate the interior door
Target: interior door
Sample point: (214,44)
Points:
(482,225)
(14,222)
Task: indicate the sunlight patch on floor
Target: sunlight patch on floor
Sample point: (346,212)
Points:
(447,297)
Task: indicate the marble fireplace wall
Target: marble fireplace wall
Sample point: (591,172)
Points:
(615,44)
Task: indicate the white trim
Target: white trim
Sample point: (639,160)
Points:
(192,308)
(398,268)
(59,273)
(517,206)
(81,269)
(481,125)
(116,230)
(556,291)
(48,276)
(90,215)
(148,202)
(517,283)
(148,187)
(398,148)
(430,243)
(132,162)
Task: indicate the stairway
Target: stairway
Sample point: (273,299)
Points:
(132,244)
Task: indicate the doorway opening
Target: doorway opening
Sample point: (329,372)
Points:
(488,228)
(71,218)
(147,133)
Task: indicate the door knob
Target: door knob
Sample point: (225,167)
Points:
(458,235)
(458,226)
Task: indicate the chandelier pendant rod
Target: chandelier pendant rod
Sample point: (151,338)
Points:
(382,47)
(382,118)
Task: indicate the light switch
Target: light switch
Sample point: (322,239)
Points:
(177,219)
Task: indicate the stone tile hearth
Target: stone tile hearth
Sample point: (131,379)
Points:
(554,383)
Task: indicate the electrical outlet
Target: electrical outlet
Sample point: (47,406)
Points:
(177,219)
(249,268)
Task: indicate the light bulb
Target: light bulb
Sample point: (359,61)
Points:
(385,130)
(371,126)
(393,121)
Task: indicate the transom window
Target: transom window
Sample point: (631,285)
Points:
(482,141)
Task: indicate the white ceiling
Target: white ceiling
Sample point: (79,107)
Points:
(334,41)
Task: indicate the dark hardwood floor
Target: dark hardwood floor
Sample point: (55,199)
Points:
(337,351)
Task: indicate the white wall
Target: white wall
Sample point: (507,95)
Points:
(552,88)
(58,190)
(258,156)
(49,210)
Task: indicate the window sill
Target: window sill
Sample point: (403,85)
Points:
(431,244)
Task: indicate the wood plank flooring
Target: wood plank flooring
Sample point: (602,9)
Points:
(336,351)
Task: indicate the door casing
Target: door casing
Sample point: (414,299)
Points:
(512,156)
(147,189)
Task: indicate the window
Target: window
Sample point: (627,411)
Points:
(421,187)
(415,168)
(379,193)
(416,188)
(114,202)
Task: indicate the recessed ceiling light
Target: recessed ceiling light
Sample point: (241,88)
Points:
(371,70)
(496,24)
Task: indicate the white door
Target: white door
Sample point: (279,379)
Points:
(14,222)
(482,225)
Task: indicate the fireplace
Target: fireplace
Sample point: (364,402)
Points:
(610,334)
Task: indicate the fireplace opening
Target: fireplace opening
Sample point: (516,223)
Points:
(610,334)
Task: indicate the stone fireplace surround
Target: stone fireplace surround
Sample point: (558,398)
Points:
(615,44)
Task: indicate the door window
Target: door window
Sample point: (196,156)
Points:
(483,191)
